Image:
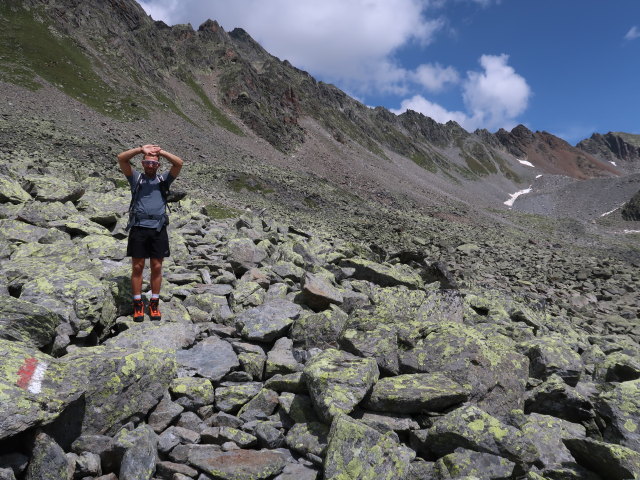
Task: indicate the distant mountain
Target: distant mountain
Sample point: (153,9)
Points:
(620,149)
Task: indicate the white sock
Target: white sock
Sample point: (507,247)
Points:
(155,295)
(137,297)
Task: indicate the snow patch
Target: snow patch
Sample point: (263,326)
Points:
(609,213)
(528,164)
(631,231)
(538,176)
(613,163)
(513,196)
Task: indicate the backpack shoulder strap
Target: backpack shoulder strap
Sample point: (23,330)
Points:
(136,188)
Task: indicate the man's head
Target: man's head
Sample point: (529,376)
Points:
(150,163)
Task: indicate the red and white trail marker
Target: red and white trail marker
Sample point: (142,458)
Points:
(31,374)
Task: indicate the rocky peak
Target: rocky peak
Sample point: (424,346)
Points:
(614,147)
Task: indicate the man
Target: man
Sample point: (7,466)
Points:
(148,221)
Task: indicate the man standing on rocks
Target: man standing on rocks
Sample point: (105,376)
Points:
(148,221)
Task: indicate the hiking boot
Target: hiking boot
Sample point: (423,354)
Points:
(154,310)
(138,310)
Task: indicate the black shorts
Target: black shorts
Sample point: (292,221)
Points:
(148,243)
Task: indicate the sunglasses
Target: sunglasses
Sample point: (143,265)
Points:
(150,163)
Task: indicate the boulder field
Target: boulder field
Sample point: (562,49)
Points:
(286,354)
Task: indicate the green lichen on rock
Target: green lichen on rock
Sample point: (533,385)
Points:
(356,451)
(620,411)
(338,381)
(195,391)
(26,322)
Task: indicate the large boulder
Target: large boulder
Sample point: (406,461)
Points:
(11,191)
(211,358)
(53,189)
(619,410)
(318,330)
(355,451)
(415,393)
(550,355)
(33,390)
(48,460)
(338,381)
(489,363)
(26,322)
(243,254)
(318,293)
(119,384)
(237,464)
(473,429)
(384,275)
(611,461)
(267,322)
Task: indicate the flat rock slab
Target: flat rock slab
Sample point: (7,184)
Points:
(318,293)
(613,462)
(338,381)
(268,321)
(417,392)
(471,428)
(358,451)
(27,322)
(212,358)
(237,464)
(383,274)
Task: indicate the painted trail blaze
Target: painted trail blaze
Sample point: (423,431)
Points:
(31,374)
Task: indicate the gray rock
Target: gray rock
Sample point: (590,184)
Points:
(237,464)
(192,392)
(139,461)
(296,408)
(355,447)
(172,436)
(267,322)
(414,393)
(11,191)
(296,471)
(48,460)
(165,335)
(471,428)
(164,414)
(292,382)
(488,362)
(547,434)
(168,470)
(105,447)
(611,461)
(211,358)
(7,474)
(261,406)
(556,398)
(387,422)
(88,465)
(27,322)
(469,464)
(550,355)
(230,397)
(305,438)
(240,438)
(338,381)
(619,409)
(243,254)
(269,436)
(280,359)
(383,274)
(318,330)
(318,294)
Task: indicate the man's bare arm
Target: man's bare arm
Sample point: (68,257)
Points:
(176,162)
(125,157)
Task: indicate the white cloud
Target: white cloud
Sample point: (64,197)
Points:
(633,33)
(435,77)
(347,42)
(493,98)
(441,115)
(497,95)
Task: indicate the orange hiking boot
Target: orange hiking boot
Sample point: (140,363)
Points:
(138,310)
(154,310)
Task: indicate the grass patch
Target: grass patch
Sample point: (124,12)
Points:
(171,105)
(216,114)
(28,48)
(219,212)
(244,181)
(424,161)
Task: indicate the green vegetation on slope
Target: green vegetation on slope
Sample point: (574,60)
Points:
(28,48)
(218,117)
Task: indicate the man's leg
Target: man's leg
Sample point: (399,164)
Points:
(137,266)
(156,283)
(156,275)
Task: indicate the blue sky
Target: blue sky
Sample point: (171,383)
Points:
(570,67)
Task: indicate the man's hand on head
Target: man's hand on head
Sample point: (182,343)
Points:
(151,150)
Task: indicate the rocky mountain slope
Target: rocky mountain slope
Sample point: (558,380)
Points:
(376,311)
(286,353)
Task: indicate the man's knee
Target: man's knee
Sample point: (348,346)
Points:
(156,265)
(137,266)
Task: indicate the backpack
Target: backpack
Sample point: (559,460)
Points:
(164,191)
